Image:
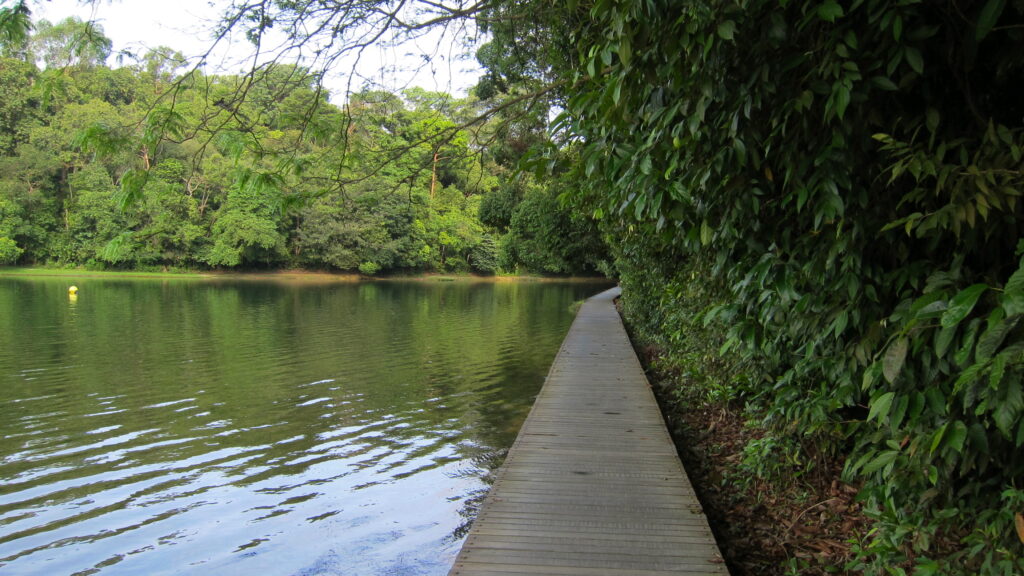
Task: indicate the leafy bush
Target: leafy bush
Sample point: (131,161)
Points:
(9,251)
(849,173)
(497,207)
(369,268)
(484,256)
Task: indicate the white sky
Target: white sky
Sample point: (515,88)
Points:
(184,25)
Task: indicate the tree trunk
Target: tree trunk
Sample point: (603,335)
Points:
(433,173)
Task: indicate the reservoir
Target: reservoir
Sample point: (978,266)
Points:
(227,426)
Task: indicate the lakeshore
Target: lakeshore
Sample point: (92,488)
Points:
(289,275)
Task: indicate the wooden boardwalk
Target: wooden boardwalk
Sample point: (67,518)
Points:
(593,484)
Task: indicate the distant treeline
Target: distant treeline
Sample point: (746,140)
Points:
(153,165)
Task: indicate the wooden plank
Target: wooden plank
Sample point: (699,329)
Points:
(585,559)
(666,521)
(623,555)
(526,569)
(593,485)
(667,538)
(618,547)
(617,493)
(667,515)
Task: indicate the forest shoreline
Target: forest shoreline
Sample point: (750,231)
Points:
(290,275)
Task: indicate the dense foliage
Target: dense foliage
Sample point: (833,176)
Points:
(841,179)
(152,165)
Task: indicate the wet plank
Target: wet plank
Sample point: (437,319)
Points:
(593,485)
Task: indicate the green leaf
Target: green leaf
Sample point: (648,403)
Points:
(914,58)
(705,233)
(892,364)
(625,50)
(930,305)
(863,460)
(646,165)
(967,346)
(830,10)
(842,100)
(967,378)
(943,339)
(915,405)
(132,183)
(937,439)
(1016,282)
(727,30)
(990,341)
(936,400)
(988,17)
(962,304)
(932,119)
(1006,415)
(15,23)
(955,437)
(1013,294)
(884,83)
(998,371)
(871,375)
(880,461)
(841,321)
(117,249)
(1013,304)
(880,406)
(898,412)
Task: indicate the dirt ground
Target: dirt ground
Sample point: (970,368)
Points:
(802,525)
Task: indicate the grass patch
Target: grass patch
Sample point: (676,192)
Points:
(574,308)
(295,275)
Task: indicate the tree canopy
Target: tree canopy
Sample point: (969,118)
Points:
(156,165)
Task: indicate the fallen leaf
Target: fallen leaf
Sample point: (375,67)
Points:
(1018,519)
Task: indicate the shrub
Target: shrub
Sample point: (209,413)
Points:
(9,251)
(369,268)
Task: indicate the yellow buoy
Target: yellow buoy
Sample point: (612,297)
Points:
(73,290)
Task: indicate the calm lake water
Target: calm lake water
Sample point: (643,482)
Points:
(244,427)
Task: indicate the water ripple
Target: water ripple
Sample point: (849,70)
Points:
(258,427)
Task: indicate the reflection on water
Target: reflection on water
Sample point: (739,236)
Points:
(183,427)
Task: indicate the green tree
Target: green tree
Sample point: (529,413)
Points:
(92,219)
(18,106)
(70,43)
(15,27)
(9,251)
(546,236)
(498,207)
(247,228)
(28,184)
(376,227)
(10,221)
(254,169)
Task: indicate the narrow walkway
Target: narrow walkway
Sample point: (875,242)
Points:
(593,484)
